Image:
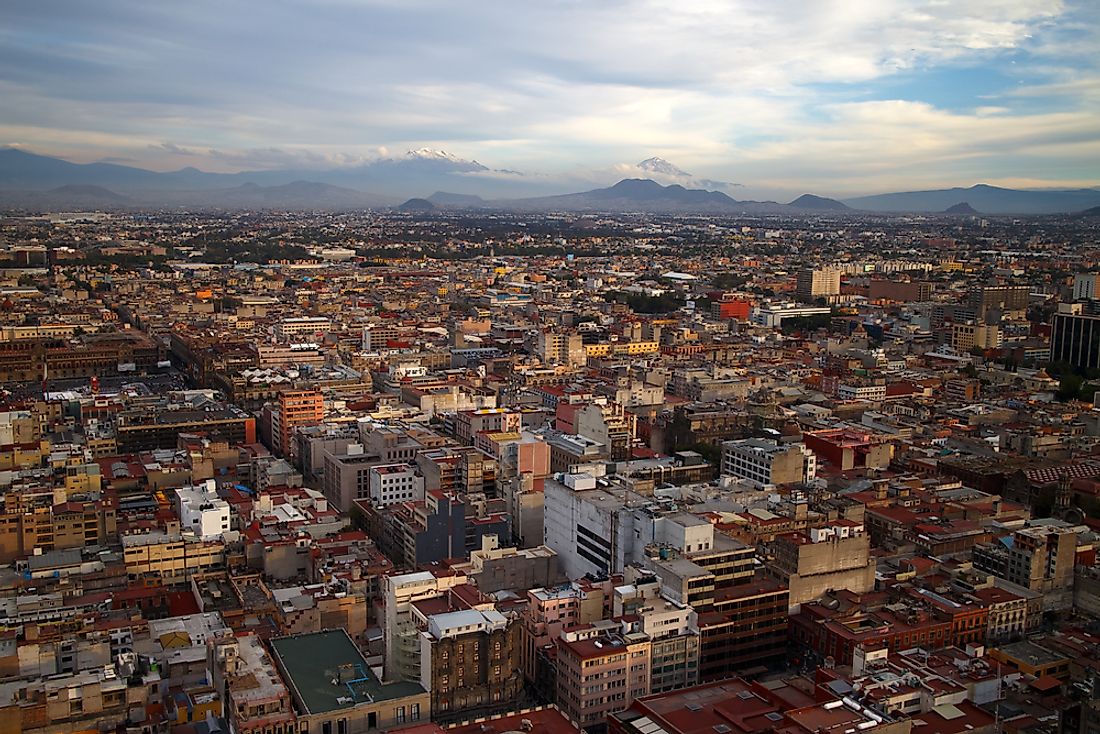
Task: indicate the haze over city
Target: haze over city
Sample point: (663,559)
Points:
(779,98)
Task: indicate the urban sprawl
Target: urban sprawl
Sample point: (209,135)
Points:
(293,473)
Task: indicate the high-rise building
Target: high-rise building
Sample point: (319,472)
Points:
(813,284)
(561,348)
(296,408)
(993,300)
(1075,339)
(1086,286)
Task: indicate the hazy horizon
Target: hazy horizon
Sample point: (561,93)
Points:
(835,98)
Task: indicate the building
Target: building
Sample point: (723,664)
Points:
(899,290)
(296,408)
(729,307)
(201,511)
(346,476)
(1075,339)
(400,592)
(470,661)
(469,423)
(554,347)
(608,425)
(774,314)
(92,699)
(994,301)
(255,700)
(599,674)
(1086,287)
(389,483)
(334,690)
(836,556)
(813,284)
(579,522)
(764,462)
(148,428)
(1042,558)
(297,327)
(847,449)
(744,630)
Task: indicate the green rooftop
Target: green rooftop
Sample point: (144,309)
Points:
(327,672)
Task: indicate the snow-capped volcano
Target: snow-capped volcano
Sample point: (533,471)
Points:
(663,167)
(431,154)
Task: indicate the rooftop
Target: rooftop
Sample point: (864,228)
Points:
(311,662)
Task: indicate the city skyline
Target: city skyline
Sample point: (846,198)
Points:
(841,98)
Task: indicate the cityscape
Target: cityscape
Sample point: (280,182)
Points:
(528,429)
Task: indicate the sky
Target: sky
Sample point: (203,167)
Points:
(838,97)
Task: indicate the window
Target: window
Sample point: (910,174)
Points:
(414,712)
(400,715)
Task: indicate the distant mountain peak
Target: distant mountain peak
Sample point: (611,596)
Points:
(963,207)
(663,167)
(432,154)
(812,201)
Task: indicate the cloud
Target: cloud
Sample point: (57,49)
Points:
(761,91)
(174,149)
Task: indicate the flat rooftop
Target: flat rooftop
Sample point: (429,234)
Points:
(312,661)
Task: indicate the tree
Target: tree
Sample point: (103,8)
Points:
(1070,387)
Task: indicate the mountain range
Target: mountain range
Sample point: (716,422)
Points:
(35,182)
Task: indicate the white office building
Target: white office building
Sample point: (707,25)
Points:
(390,483)
(202,513)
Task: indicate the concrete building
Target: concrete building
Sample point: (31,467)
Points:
(744,630)
(847,449)
(389,483)
(201,512)
(1042,558)
(399,628)
(297,327)
(254,697)
(561,348)
(813,284)
(1086,286)
(764,462)
(469,423)
(493,568)
(599,674)
(334,690)
(810,563)
(773,315)
(589,528)
(346,476)
(170,557)
(672,630)
(608,425)
(296,408)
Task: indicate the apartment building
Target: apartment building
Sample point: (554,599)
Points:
(765,463)
(470,661)
(810,563)
(814,283)
(389,483)
(296,408)
(400,592)
(599,675)
(554,347)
